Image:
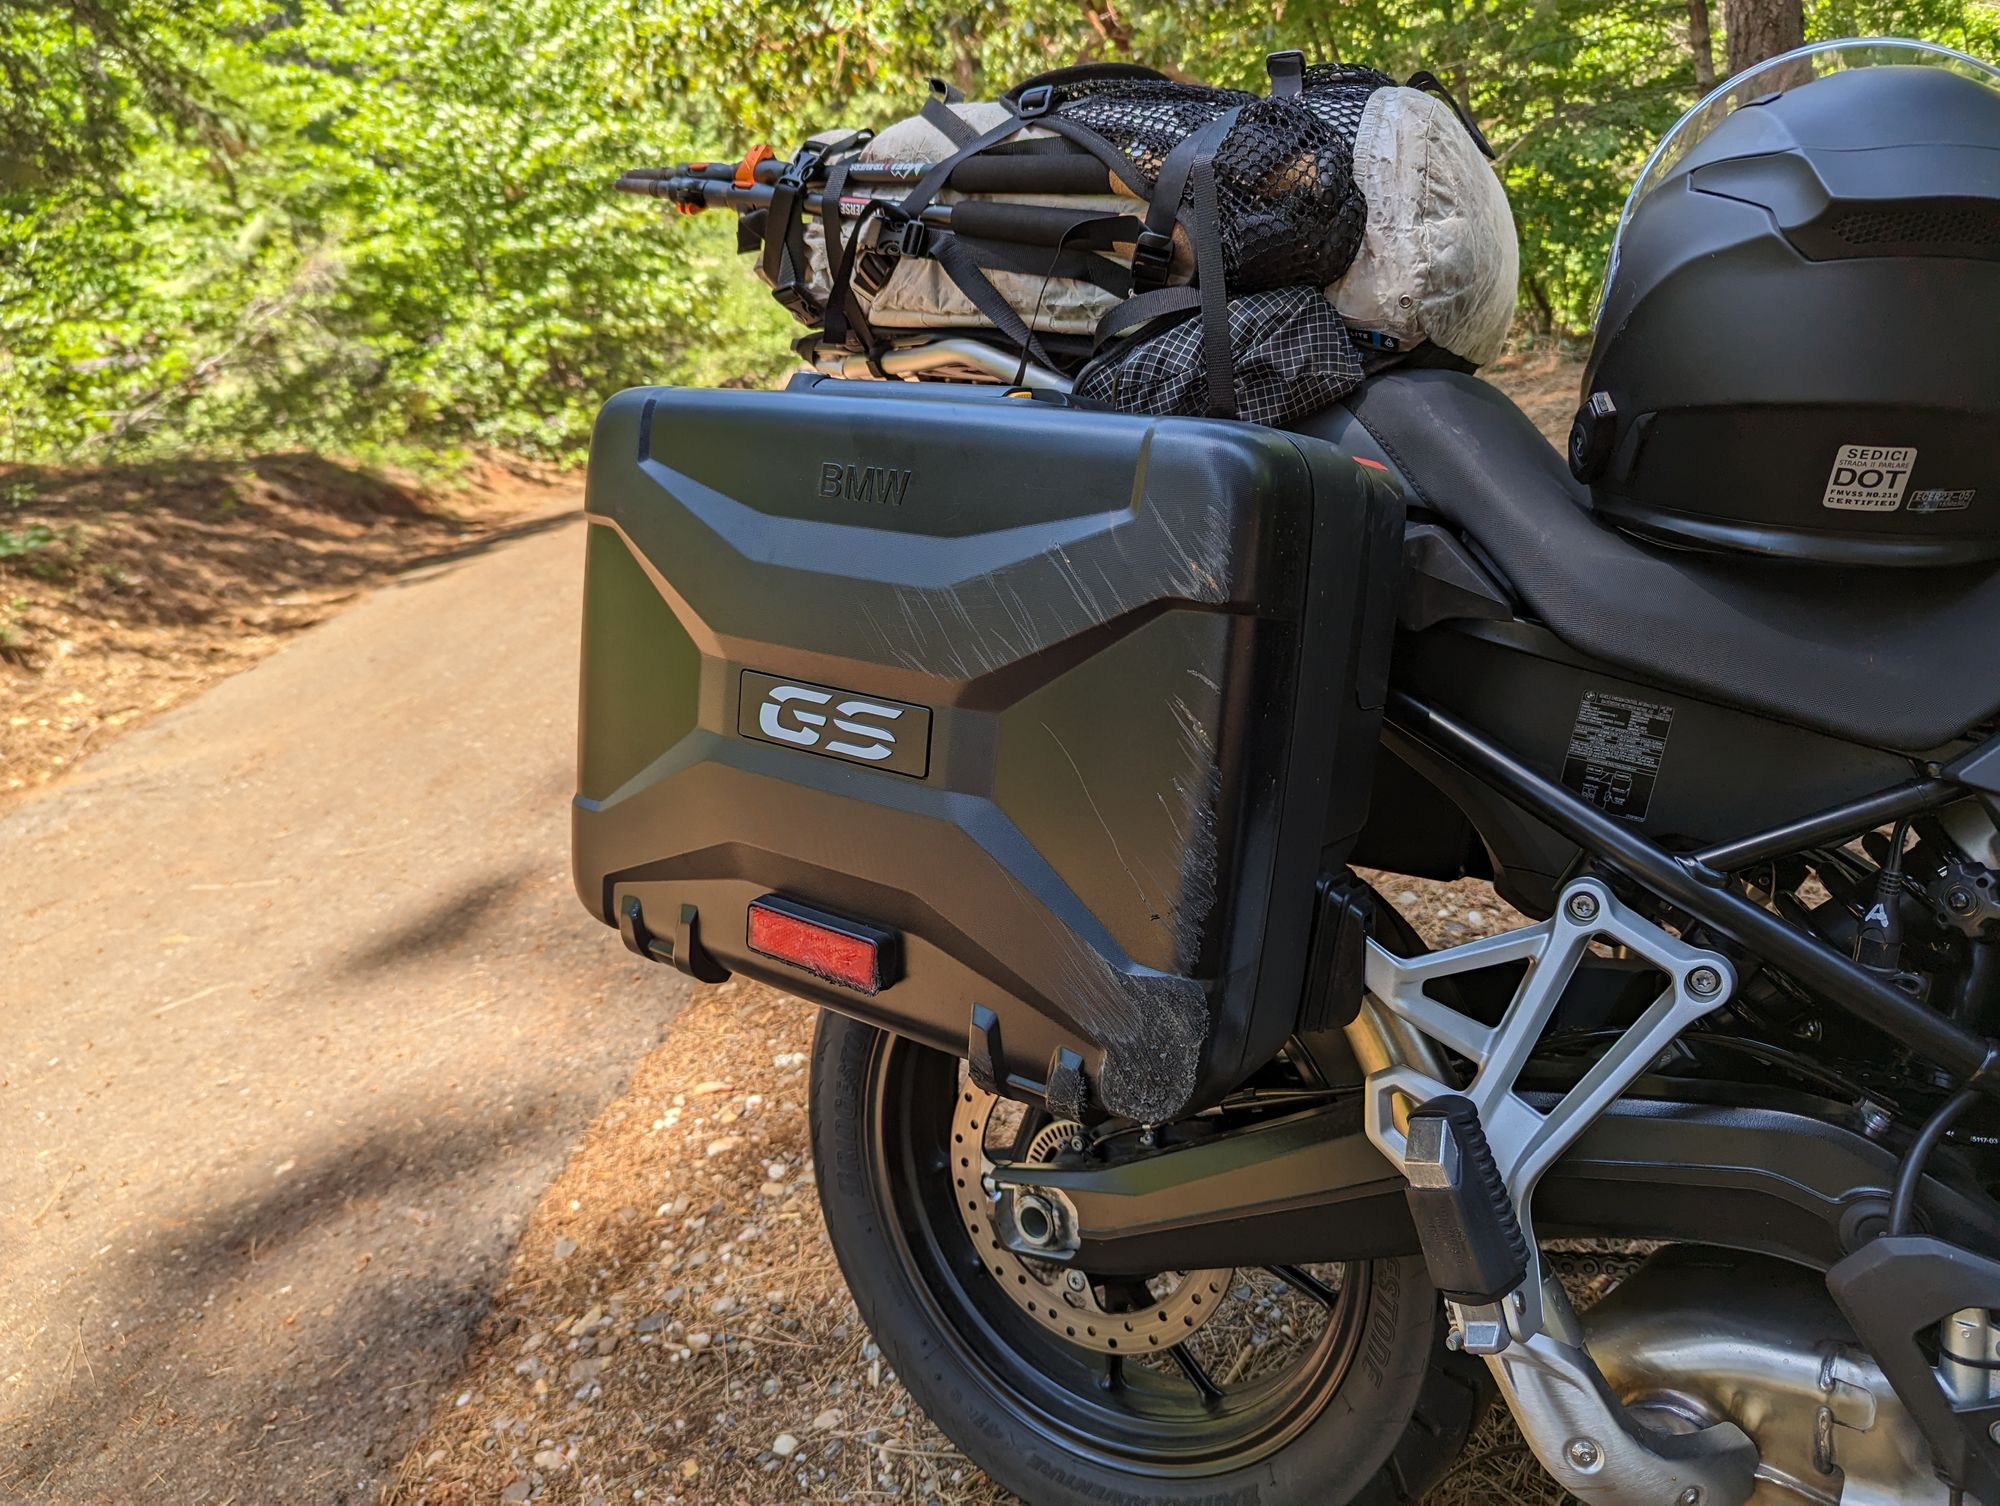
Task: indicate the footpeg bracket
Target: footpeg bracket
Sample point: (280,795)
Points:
(1487,1133)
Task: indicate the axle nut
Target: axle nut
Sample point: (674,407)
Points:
(1689,1497)
(1038,1221)
(1584,1454)
(1582,907)
(1704,983)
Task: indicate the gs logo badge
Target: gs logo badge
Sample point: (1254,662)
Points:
(842,724)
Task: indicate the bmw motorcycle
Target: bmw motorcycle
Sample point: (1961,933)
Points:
(1047,748)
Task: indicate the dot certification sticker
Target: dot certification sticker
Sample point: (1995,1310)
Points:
(1869,478)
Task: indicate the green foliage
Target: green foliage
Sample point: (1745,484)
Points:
(410,241)
(78,78)
(382,227)
(50,553)
(14,544)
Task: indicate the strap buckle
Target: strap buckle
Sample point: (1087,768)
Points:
(795,300)
(1152,259)
(1287,71)
(910,238)
(805,162)
(1036,102)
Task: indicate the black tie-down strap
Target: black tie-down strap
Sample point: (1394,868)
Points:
(1430,83)
(1076,255)
(785,266)
(1185,194)
(1205,229)
(1189,169)
(843,312)
(966,259)
(937,110)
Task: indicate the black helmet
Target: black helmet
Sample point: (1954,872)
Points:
(1798,348)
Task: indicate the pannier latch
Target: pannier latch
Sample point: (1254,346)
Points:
(684,952)
(1337,956)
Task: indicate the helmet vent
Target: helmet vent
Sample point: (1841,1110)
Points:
(1928,225)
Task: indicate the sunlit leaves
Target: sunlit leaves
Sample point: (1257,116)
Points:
(362,224)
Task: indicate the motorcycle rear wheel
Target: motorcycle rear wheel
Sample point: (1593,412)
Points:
(1372,1409)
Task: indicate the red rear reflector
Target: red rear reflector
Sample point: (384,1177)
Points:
(856,956)
(1373,465)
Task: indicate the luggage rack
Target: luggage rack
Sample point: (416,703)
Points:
(957,358)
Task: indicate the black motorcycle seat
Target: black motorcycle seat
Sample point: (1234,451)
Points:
(1898,658)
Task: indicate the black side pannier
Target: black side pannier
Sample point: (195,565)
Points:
(1021,730)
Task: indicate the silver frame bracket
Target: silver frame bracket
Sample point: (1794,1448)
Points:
(1582,1434)
(1526,1141)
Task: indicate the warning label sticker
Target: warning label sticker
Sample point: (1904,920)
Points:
(1938,500)
(1869,478)
(1615,752)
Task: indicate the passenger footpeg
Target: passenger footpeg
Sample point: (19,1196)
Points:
(1465,1220)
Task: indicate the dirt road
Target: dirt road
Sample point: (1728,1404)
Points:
(298,1018)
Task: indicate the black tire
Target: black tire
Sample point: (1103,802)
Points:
(1378,1432)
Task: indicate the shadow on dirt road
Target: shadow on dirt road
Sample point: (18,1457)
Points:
(299,1018)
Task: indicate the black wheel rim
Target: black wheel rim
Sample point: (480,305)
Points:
(1131,1417)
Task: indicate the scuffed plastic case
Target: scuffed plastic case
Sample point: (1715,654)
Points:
(1074,705)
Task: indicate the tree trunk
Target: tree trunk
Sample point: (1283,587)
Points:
(1760,29)
(1701,42)
(1543,320)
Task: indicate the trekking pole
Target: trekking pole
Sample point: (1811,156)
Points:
(1021,224)
(1031,173)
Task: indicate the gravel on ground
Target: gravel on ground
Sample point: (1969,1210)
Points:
(674,1328)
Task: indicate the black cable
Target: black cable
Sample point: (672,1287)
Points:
(1911,1176)
(1878,944)
(1779,1057)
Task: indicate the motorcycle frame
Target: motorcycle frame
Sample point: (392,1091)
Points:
(1767,1171)
(1698,883)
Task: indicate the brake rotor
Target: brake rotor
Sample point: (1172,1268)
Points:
(1118,1315)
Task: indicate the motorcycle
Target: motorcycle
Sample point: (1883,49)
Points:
(1047,749)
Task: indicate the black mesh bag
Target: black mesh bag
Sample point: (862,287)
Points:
(1288,210)
(1232,218)
(1262,190)
(1289,351)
